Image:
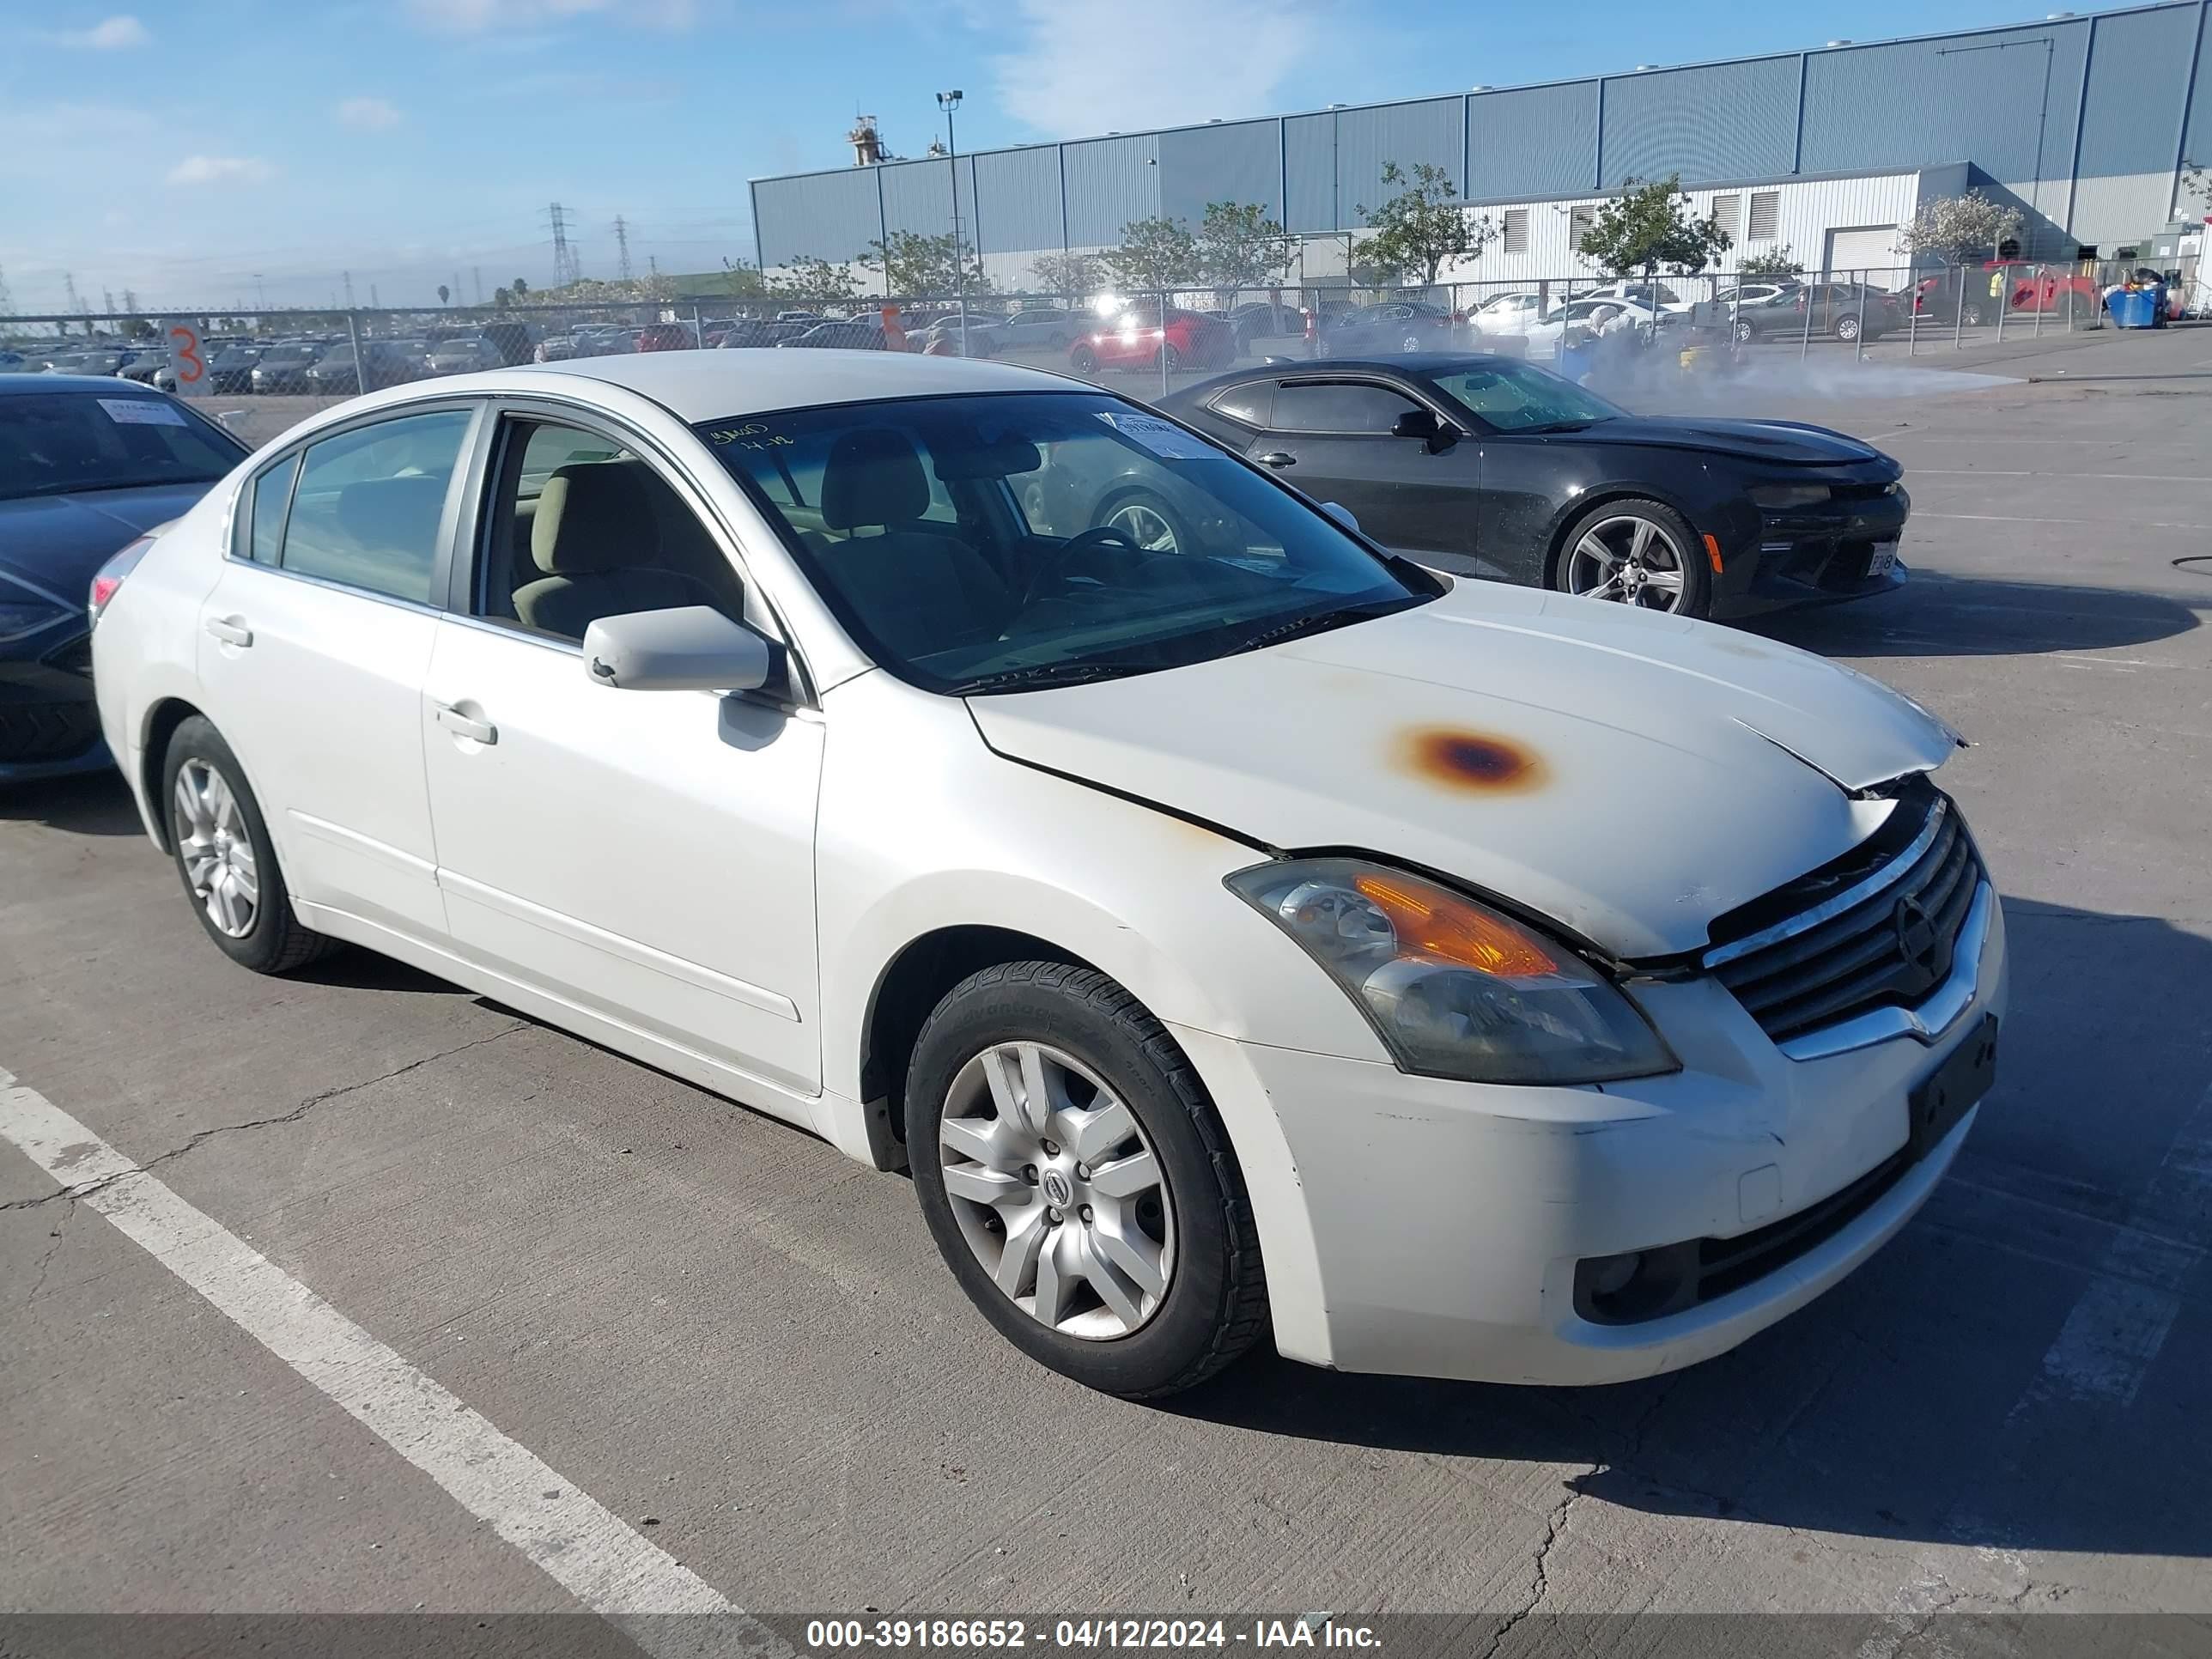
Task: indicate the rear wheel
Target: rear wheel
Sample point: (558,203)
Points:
(225,858)
(1971,314)
(1745,333)
(1084,360)
(1636,552)
(1847,329)
(1147,521)
(1167,358)
(1078,1183)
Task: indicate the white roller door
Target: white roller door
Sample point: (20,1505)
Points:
(1870,248)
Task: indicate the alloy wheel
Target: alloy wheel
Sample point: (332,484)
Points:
(1057,1191)
(1630,560)
(216,850)
(1145,525)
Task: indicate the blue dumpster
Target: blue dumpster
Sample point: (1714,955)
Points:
(2138,308)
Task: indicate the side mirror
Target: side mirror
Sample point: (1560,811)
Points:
(1342,514)
(1422,423)
(693,648)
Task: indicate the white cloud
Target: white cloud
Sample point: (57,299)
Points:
(369,114)
(1086,66)
(220,170)
(482,17)
(110,34)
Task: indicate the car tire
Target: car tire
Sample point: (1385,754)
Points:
(1146,514)
(1745,333)
(1847,329)
(1697,598)
(1410,345)
(1971,314)
(1089,1039)
(1167,359)
(202,845)
(1084,360)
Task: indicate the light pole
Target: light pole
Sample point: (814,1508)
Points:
(949,101)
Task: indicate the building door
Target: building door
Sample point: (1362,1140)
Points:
(1868,253)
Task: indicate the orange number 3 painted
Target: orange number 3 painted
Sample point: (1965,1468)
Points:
(186,343)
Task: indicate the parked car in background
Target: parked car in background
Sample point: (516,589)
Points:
(461,356)
(1543,337)
(1644,297)
(1282,942)
(1259,320)
(847,337)
(335,373)
(99,359)
(284,367)
(667,336)
(972,336)
(1394,325)
(230,371)
(746,332)
(1838,311)
(1497,468)
(87,466)
(1139,338)
(1045,327)
(1506,313)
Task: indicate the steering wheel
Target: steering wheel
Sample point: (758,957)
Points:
(1099,534)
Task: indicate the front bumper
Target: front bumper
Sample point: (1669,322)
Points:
(1819,557)
(49,725)
(1437,1225)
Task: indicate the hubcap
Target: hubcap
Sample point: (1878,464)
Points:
(1057,1191)
(216,850)
(1144,526)
(1628,560)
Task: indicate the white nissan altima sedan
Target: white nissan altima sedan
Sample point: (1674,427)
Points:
(1259,934)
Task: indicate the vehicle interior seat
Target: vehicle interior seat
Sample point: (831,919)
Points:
(916,588)
(392,515)
(597,542)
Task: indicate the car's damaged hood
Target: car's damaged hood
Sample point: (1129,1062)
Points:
(1631,776)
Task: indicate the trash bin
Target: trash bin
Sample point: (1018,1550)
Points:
(2138,308)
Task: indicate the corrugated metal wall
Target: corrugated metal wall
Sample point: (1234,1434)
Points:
(1019,191)
(1237,162)
(1110,182)
(2006,101)
(1310,153)
(918,197)
(818,216)
(1535,140)
(1366,139)
(1725,121)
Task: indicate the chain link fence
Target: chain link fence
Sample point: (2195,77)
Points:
(260,372)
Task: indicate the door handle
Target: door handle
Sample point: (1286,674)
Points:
(464,725)
(230,631)
(1277,457)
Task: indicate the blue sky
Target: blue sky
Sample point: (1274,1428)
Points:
(202,152)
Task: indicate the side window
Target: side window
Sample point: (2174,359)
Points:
(1338,407)
(580,527)
(272,495)
(367,508)
(1249,402)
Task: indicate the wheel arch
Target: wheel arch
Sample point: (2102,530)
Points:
(162,720)
(1574,511)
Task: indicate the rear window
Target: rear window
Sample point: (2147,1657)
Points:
(62,442)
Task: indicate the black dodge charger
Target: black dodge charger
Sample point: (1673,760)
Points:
(1495,467)
(87,466)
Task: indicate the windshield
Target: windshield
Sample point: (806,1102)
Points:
(983,543)
(57,443)
(1515,397)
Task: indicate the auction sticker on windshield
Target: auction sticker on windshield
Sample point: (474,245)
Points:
(1163,438)
(141,411)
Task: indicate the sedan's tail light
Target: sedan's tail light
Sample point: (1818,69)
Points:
(108,580)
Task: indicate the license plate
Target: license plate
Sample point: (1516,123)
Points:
(1884,557)
(1946,1094)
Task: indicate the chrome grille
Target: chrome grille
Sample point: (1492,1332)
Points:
(1884,939)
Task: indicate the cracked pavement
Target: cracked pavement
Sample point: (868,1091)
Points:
(696,1313)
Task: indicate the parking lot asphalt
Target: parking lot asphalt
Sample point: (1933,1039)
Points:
(744,1346)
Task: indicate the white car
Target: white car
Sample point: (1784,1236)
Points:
(1639,297)
(1546,333)
(1506,313)
(1433,977)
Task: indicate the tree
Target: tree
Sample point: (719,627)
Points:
(1956,229)
(1421,226)
(520,288)
(1648,226)
(918,266)
(1155,254)
(1771,262)
(810,278)
(743,280)
(139,329)
(445,294)
(1238,246)
(1072,275)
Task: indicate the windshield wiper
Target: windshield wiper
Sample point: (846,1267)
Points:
(1047,673)
(1319,622)
(1558,426)
(92,486)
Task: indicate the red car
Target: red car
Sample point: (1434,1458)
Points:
(1137,339)
(666,336)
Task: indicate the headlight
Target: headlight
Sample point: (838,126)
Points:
(25,609)
(1790,494)
(1454,988)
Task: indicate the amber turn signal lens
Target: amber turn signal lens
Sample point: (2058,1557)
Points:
(1438,926)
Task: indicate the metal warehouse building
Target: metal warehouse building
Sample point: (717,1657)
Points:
(2087,121)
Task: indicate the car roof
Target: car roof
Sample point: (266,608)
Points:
(708,386)
(111,384)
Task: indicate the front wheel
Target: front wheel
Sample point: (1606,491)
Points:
(1084,360)
(1972,316)
(1150,525)
(1847,329)
(1167,358)
(1636,552)
(1078,1183)
(1744,333)
(225,858)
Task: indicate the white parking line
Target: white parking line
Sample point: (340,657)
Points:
(588,1550)
(1993,472)
(2116,1328)
(2040,518)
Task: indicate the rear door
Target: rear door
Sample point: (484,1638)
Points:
(1332,438)
(312,649)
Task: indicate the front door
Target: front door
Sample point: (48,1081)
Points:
(312,647)
(646,855)
(1332,438)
